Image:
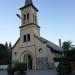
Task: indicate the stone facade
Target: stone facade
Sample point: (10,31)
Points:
(37,49)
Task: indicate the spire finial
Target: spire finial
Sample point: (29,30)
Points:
(28,2)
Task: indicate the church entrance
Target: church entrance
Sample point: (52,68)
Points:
(28,60)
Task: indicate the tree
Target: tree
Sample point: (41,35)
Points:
(21,67)
(6,44)
(18,68)
(10,46)
(64,67)
(67,45)
(4,54)
(11,70)
(70,55)
(10,51)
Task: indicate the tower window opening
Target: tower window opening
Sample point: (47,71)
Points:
(24,38)
(28,37)
(15,53)
(24,17)
(35,17)
(27,15)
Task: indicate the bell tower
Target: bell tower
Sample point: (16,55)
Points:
(29,24)
(28,13)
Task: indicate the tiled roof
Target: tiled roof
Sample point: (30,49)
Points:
(50,44)
(54,46)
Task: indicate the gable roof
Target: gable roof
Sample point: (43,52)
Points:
(39,38)
(54,46)
(16,43)
(50,44)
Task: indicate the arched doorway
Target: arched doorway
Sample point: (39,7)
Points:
(28,60)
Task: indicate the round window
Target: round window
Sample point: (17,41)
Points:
(40,50)
(15,53)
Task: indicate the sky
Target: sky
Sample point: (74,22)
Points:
(55,17)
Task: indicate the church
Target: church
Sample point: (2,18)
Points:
(30,48)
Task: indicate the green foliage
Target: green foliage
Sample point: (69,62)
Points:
(67,45)
(19,67)
(6,44)
(70,55)
(11,70)
(64,68)
(71,52)
(4,54)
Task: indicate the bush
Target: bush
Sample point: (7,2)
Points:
(18,68)
(11,70)
(64,68)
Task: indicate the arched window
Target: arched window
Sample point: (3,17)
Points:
(24,38)
(24,17)
(28,37)
(35,18)
(27,15)
(25,59)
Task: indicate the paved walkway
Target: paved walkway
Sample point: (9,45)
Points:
(33,72)
(3,72)
(41,72)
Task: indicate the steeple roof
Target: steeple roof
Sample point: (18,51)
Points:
(29,3)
